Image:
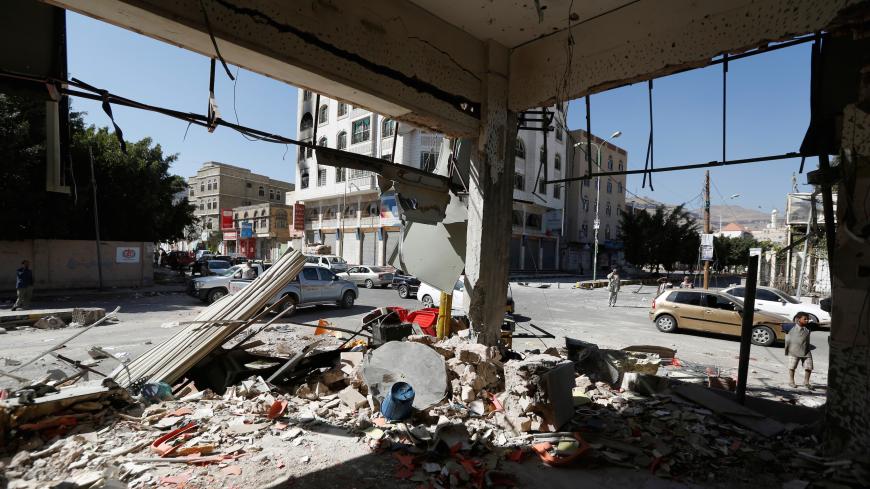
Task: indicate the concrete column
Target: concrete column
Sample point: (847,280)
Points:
(490,203)
(847,426)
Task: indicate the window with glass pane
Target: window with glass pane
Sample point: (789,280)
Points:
(557,191)
(519,181)
(307,122)
(321,178)
(339,175)
(323,115)
(304,179)
(361,130)
(557,163)
(342,109)
(428,161)
(341,141)
(520,150)
(558,133)
(609,187)
(388,128)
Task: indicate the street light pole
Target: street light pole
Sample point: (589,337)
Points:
(597,223)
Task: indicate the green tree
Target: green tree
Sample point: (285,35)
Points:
(661,238)
(135,191)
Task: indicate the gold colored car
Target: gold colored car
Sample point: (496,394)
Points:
(714,312)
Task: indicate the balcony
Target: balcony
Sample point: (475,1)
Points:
(329,224)
(370,222)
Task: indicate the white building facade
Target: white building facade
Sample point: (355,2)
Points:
(342,206)
(537,219)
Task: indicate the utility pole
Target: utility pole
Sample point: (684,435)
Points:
(707,224)
(96,221)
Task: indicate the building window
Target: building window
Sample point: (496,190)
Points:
(342,109)
(608,210)
(609,163)
(388,128)
(340,175)
(215,184)
(322,141)
(277,195)
(201,206)
(306,94)
(542,187)
(281,219)
(609,187)
(201,187)
(264,224)
(620,165)
(533,221)
(557,163)
(558,133)
(584,231)
(557,191)
(191,192)
(361,130)
(321,178)
(262,192)
(341,140)
(323,115)
(619,187)
(586,205)
(373,210)
(271,194)
(303,179)
(248,185)
(308,150)
(428,160)
(208,186)
(519,181)
(307,122)
(517,218)
(520,149)
(607,232)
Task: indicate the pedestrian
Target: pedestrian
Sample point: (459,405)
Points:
(248,271)
(613,284)
(23,286)
(686,283)
(798,349)
(161,259)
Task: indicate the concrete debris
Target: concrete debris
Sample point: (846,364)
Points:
(86,316)
(483,415)
(49,322)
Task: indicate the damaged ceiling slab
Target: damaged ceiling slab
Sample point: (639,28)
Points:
(425,61)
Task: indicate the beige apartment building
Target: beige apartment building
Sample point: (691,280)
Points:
(580,213)
(262,230)
(219,186)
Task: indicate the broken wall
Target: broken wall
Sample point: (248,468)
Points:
(71,264)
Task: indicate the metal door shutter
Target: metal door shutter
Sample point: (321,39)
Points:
(532,255)
(350,247)
(329,239)
(549,261)
(391,246)
(369,248)
(516,253)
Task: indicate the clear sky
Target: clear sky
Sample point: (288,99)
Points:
(768,112)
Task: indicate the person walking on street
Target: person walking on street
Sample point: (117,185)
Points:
(798,349)
(23,286)
(613,284)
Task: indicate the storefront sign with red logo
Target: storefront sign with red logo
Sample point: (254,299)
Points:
(127,254)
(227,219)
(298,217)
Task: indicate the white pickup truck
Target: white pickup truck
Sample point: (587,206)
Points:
(213,287)
(314,285)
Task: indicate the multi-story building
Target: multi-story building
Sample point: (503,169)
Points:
(581,204)
(537,208)
(218,186)
(264,229)
(342,207)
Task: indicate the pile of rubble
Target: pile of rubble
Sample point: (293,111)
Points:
(78,317)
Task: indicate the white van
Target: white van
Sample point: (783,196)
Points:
(331,262)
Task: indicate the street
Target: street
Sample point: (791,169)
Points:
(147,319)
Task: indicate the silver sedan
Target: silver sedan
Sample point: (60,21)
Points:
(369,276)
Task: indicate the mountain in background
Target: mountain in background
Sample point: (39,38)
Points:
(752,219)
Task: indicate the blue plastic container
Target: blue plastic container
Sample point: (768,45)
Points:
(398,404)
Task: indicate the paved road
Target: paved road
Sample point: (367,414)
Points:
(563,311)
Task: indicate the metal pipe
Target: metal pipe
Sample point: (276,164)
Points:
(746,328)
(96,221)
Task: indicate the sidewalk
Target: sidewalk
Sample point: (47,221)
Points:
(40,295)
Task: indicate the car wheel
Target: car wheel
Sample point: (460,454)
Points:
(290,303)
(666,323)
(403,291)
(427,301)
(347,300)
(215,295)
(763,336)
(369,284)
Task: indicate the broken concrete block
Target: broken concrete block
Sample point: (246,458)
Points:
(476,353)
(97,353)
(352,398)
(49,322)
(542,385)
(88,315)
(467,394)
(332,376)
(629,361)
(644,384)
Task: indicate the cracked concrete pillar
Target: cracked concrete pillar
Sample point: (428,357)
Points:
(847,424)
(490,202)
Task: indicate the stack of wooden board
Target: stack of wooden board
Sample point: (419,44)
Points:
(169,361)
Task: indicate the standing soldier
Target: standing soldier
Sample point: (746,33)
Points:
(23,286)
(613,286)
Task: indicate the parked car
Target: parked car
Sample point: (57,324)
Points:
(314,285)
(330,262)
(406,285)
(776,301)
(178,260)
(211,288)
(368,276)
(209,266)
(715,312)
(431,296)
